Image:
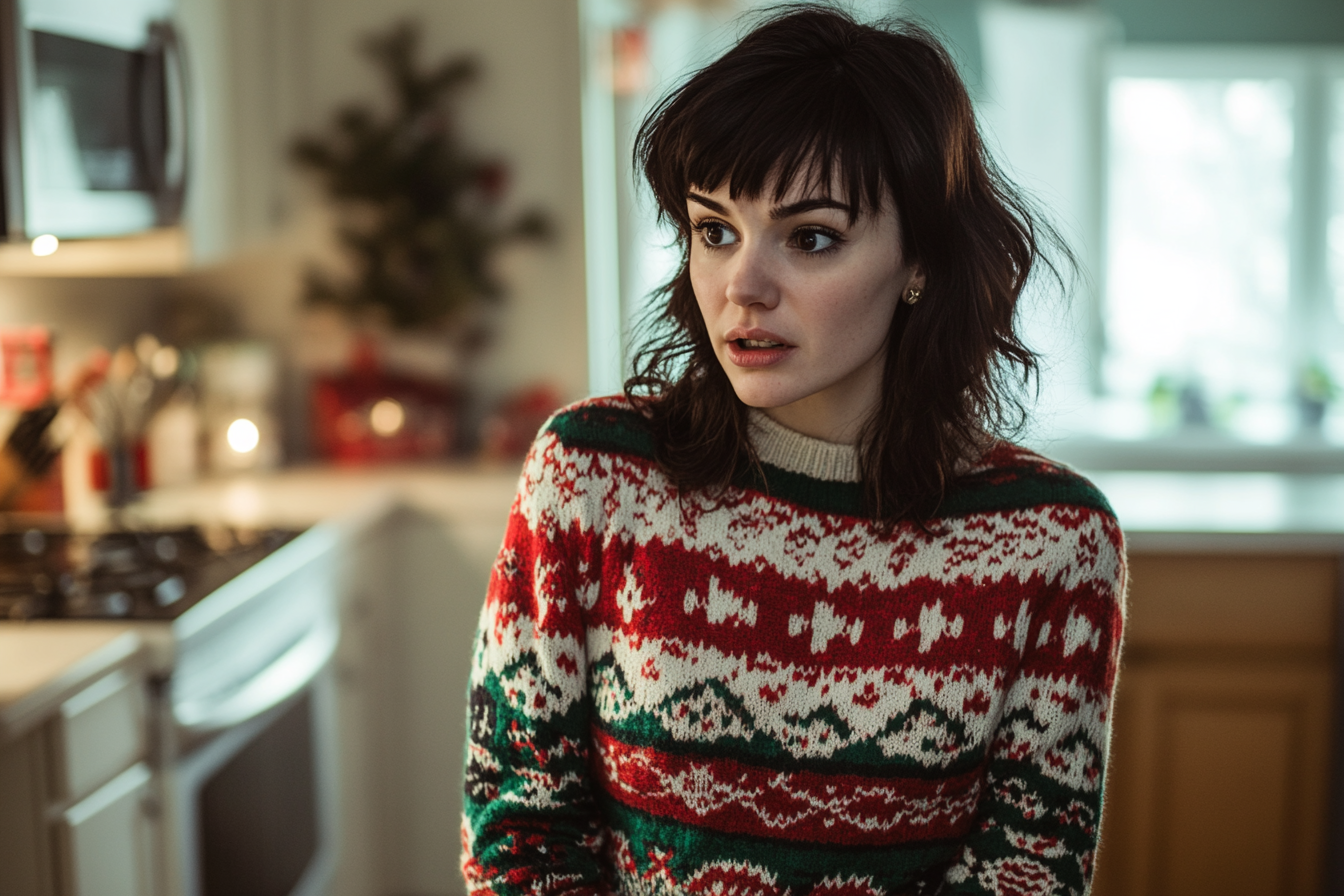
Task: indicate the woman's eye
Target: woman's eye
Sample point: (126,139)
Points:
(716,234)
(813,240)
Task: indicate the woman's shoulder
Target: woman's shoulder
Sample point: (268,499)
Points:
(1041,511)
(606,423)
(1009,477)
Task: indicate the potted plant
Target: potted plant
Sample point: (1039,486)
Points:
(1315,390)
(419,218)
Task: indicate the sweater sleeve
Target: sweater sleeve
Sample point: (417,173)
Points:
(1039,815)
(530,823)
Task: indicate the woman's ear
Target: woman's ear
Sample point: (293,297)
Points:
(914,287)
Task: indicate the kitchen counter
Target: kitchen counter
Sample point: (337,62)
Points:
(469,497)
(43,663)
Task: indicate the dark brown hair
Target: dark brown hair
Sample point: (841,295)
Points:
(810,93)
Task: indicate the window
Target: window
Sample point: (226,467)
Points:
(1214,307)
(1202,187)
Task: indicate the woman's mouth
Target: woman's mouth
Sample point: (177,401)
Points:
(757,352)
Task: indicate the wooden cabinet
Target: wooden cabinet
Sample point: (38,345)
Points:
(77,807)
(1222,736)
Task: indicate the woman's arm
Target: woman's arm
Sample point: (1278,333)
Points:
(1039,816)
(530,824)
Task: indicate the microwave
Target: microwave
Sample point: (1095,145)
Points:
(93,118)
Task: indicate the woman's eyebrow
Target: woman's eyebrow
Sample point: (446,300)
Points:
(706,202)
(779,211)
(806,205)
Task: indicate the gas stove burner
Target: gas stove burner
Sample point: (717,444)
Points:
(150,574)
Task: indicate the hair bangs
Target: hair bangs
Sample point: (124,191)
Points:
(809,132)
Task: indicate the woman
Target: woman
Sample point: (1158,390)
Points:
(788,617)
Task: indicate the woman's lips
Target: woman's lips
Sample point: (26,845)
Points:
(742,355)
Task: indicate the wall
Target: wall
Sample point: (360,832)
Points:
(526,108)
(83,313)
(1151,21)
(1229,21)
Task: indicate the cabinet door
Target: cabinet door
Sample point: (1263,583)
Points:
(1218,780)
(105,843)
(98,733)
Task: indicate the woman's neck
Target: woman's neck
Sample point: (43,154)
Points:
(820,420)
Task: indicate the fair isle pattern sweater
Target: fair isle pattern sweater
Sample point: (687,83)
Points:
(760,694)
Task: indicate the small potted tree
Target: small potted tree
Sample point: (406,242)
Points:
(418,220)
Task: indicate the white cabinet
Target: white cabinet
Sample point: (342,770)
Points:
(105,842)
(97,734)
(77,803)
(245,58)
(413,589)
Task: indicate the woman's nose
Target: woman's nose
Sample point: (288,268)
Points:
(752,279)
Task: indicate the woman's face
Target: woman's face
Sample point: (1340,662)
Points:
(798,302)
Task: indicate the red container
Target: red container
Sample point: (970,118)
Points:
(373,417)
(100,468)
(25,366)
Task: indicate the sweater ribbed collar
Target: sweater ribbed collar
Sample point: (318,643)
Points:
(782,447)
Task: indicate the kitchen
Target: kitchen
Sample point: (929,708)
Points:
(403,549)
(255,222)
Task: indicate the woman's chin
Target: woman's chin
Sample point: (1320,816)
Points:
(753,396)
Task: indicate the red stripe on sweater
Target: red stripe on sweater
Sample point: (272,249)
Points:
(757,606)
(727,795)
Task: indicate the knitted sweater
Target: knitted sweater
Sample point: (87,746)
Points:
(761,693)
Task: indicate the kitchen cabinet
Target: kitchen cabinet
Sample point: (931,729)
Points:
(412,583)
(105,843)
(77,800)
(1222,732)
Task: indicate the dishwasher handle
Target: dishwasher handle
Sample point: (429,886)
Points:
(289,674)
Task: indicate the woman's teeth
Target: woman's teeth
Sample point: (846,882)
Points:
(758,343)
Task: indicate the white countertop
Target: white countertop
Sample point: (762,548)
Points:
(306,495)
(1146,502)
(1158,510)
(43,663)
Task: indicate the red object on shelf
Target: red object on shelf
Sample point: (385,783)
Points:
(100,469)
(25,366)
(372,417)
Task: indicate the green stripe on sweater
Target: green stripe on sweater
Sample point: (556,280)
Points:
(761,747)
(625,431)
(799,866)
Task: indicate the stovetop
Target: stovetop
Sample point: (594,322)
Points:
(155,574)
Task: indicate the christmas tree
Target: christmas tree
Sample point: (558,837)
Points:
(418,214)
